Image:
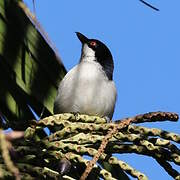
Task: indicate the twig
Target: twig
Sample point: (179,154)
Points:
(5,154)
(14,135)
(154,132)
(152,117)
(168,168)
(127,168)
(149,5)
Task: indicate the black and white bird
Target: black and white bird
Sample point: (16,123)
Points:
(88,88)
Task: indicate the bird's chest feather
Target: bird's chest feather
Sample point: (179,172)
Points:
(87,83)
(86,89)
(89,76)
(90,84)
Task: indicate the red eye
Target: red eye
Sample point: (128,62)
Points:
(93,43)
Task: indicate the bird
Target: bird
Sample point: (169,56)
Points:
(88,88)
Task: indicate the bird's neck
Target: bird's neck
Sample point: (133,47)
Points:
(107,66)
(85,58)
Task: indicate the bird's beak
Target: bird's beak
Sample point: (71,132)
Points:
(82,38)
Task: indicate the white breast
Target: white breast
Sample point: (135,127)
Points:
(86,89)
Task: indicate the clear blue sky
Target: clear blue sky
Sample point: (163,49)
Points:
(146,48)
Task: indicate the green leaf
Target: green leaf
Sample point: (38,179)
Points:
(29,68)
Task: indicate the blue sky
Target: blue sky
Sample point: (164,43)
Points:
(145,45)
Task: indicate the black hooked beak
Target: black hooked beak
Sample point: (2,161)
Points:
(82,38)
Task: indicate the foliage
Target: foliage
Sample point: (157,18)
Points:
(29,69)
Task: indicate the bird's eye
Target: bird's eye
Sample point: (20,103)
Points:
(93,43)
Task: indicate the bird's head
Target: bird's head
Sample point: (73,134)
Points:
(97,51)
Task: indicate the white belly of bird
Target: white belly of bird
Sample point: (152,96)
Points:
(86,89)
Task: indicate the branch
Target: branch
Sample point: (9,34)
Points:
(167,166)
(149,5)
